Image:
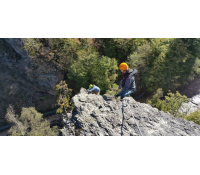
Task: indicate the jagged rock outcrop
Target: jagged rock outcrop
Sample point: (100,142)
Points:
(103,116)
(191,106)
(45,75)
(24,83)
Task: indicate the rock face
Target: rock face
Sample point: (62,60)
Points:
(17,43)
(45,75)
(191,106)
(96,115)
(24,83)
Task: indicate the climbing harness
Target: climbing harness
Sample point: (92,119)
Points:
(131,114)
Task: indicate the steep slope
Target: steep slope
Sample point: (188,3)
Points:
(22,82)
(102,116)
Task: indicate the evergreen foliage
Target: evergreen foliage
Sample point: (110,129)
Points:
(90,68)
(63,97)
(171,103)
(166,63)
(59,51)
(113,90)
(195,117)
(163,64)
(118,48)
(30,123)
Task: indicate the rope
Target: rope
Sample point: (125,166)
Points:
(132,115)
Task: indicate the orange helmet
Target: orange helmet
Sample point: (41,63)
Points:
(123,66)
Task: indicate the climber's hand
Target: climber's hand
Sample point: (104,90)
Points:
(116,96)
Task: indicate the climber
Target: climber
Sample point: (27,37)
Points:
(93,88)
(127,82)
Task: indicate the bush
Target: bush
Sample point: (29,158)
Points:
(113,90)
(30,123)
(195,117)
(63,97)
(171,104)
(90,68)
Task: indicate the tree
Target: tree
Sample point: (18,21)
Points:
(118,48)
(90,68)
(166,63)
(113,90)
(30,123)
(171,103)
(59,51)
(63,97)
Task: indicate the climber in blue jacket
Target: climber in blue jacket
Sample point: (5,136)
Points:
(127,82)
(93,88)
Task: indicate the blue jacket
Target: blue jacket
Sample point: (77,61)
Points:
(128,81)
(94,88)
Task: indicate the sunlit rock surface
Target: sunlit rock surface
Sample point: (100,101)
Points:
(191,106)
(96,115)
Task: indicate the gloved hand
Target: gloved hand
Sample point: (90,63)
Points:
(116,96)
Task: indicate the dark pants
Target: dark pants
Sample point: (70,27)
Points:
(127,93)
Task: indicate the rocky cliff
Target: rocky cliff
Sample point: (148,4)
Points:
(22,82)
(96,115)
(191,106)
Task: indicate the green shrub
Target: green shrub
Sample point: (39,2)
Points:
(63,97)
(30,123)
(195,117)
(91,68)
(171,103)
(113,90)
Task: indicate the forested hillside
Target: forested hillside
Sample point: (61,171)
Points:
(166,63)
(34,70)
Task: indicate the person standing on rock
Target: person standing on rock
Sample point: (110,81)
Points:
(127,82)
(95,89)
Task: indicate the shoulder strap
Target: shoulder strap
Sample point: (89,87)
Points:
(125,81)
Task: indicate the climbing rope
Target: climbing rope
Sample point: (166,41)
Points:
(131,114)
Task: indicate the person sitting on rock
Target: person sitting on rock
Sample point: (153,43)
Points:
(93,88)
(127,82)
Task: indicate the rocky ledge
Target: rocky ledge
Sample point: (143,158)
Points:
(96,115)
(191,106)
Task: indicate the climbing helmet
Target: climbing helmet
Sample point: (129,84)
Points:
(123,66)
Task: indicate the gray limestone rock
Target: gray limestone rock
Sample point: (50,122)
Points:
(191,106)
(97,115)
